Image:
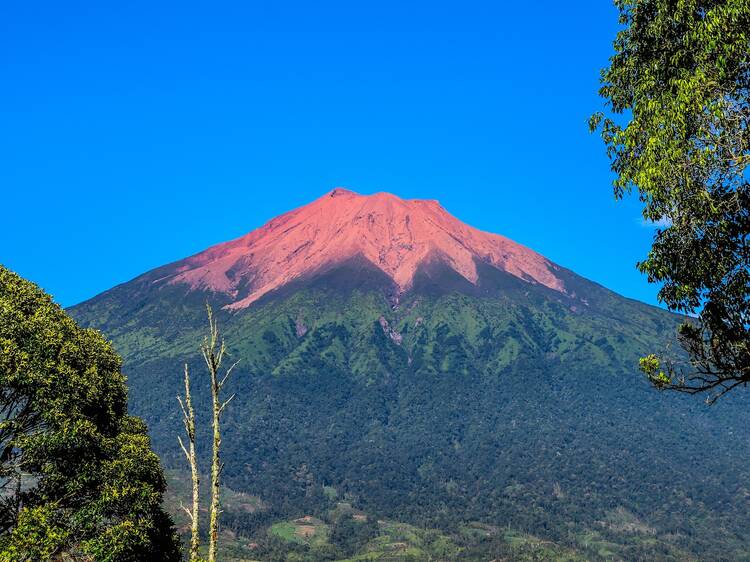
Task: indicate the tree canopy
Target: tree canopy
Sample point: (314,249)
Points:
(77,474)
(677,132)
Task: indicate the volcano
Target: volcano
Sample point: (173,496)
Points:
(404,366)
(396,236)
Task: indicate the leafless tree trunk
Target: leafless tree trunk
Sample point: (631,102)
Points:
(213,352)
(188,418)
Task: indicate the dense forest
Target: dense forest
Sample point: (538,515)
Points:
(504,405)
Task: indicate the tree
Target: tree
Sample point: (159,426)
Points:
(678,133)
(213,353)
(188,418)
(78,476)
(213,350)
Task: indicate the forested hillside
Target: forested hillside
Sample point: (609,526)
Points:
(501,405)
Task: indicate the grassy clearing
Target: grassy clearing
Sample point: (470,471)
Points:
(286,531)
(305,530)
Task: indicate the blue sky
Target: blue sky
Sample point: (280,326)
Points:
(135,134)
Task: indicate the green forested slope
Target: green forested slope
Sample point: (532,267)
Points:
(505,405)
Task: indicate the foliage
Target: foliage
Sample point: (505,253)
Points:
(681,77)
(78,473)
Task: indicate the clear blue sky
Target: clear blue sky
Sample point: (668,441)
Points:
(134,134)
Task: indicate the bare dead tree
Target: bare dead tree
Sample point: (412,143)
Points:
(188,418)
(213,349)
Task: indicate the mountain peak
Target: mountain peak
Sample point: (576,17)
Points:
(342,192)
(396,235)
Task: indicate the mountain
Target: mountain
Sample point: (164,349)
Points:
(406,367)
(394,235)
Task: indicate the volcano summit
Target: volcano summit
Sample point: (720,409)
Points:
(395,235)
